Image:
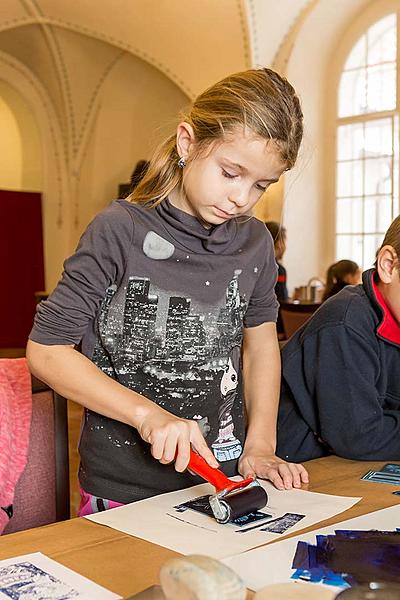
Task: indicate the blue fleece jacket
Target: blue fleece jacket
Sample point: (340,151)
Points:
(341,380)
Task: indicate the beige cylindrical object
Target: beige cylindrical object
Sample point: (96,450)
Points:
(200,578)
(295,591)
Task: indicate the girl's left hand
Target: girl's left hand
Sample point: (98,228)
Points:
(282,474)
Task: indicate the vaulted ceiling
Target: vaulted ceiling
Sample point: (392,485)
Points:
(193,43)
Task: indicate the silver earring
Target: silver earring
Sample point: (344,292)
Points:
(181,162)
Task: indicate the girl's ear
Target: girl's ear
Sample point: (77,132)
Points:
(386,264)
(184,139)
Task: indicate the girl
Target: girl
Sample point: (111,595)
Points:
(340,274)
(162,288)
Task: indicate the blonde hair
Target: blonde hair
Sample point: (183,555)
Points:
(258,99)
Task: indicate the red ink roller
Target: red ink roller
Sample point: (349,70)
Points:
(232,499)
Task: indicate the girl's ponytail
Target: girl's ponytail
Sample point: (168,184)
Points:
(330,282)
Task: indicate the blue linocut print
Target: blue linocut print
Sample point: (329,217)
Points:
(201,504)
(282,524)
(349,558)
(24,580)
(320,576)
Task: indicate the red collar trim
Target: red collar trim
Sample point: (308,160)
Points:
(389,328)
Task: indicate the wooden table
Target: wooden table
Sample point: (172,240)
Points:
(126,565)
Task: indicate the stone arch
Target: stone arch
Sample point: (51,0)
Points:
(53,177)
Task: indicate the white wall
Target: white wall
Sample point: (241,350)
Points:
(310,214)
(137,109)
(269,24)
(305,55)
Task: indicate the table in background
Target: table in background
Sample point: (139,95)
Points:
(126,565)
(294,313)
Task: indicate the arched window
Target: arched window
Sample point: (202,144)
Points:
(367,182)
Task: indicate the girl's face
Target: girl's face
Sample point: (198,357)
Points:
(229,179)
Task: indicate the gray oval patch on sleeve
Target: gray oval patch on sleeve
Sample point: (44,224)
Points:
(154,246)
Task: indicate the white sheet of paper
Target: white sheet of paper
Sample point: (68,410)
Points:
(273,564)
(156,520)
(37,576)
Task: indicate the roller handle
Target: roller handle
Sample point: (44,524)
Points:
(217,478)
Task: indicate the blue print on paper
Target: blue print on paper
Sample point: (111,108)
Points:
(320,576)
(24,580)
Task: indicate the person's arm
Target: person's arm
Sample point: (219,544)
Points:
(74,376)
(353,421)
(261,374)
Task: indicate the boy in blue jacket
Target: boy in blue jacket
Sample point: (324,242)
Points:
(341,371)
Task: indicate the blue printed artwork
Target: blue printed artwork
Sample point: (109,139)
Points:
(20,581)
(202,505)
(349,557)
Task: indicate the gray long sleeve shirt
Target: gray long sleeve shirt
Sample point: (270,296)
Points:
(158,302)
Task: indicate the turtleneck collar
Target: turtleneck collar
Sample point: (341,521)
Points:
(188,231)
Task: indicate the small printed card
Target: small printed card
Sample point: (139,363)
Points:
(35,576)
(390,473)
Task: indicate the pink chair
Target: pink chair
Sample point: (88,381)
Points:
(42,492)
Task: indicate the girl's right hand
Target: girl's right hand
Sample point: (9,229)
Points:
(171,438)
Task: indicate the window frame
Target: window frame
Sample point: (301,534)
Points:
(353,38)
(347,37)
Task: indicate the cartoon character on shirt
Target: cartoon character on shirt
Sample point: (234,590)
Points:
(227,446)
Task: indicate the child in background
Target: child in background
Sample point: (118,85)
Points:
(171,295)
(278,233)
(341,370)
(138,173)
(340,274)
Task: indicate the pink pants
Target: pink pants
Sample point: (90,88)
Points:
(91,504)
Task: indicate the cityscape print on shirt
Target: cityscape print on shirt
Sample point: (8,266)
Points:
(179,354)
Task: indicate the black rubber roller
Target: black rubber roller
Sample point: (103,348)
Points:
(244,502)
